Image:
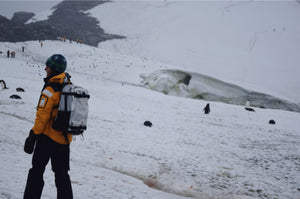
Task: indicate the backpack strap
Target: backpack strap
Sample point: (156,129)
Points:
(58,88)
(66,137)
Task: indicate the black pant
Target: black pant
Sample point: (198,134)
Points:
(59,154)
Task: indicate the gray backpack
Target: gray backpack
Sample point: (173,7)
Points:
(72,110)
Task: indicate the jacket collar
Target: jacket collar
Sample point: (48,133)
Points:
(55,78)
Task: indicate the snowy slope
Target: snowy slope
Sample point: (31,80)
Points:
(253,44)
(40,16)
(228,154)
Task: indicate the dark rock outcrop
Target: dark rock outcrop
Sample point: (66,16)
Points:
(68,20)
(21,17)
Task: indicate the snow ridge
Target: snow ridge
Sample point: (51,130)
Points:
(198,86)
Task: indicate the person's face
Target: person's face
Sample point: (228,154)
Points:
(48,71)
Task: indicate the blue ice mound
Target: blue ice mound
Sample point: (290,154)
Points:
(197,86)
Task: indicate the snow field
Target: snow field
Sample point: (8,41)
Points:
(230,153)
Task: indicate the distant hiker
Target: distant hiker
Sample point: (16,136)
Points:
(41,44)
(206,109)
(23,48)
(46,142)
(13,54)
(8,53)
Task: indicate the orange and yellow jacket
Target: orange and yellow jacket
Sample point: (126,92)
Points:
(47,110)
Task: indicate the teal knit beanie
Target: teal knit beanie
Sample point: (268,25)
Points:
(57,63)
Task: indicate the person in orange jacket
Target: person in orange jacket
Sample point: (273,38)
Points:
(45,142)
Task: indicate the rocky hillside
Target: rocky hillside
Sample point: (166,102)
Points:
(21,17)
(68,20)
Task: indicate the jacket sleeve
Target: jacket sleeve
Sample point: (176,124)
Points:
(44,109)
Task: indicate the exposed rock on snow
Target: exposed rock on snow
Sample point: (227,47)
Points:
(67,20)
(21,17)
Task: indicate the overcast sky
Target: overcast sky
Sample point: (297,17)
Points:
(8,8)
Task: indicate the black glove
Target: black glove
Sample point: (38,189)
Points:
(30,142)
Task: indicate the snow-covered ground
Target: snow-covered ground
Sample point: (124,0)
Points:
(229,154)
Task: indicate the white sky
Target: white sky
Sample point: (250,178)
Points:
(8,8)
